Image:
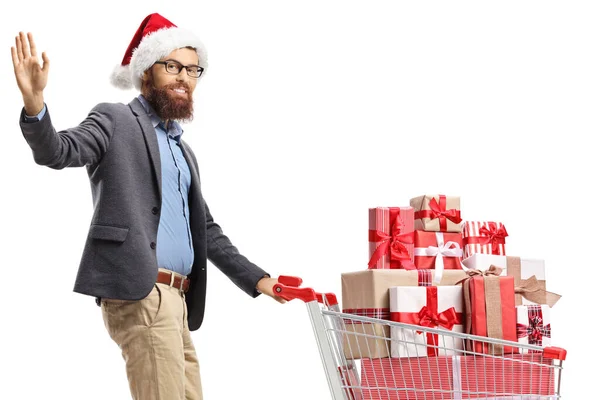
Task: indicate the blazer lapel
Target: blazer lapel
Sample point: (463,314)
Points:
(150,138)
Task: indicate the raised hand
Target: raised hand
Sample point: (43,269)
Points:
(31,76)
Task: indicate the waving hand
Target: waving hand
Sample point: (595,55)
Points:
(31,76)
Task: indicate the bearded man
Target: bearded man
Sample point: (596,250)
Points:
(151,233)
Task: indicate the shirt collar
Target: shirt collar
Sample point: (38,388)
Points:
(175,130)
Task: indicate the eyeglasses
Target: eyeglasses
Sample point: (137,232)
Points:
(174,67)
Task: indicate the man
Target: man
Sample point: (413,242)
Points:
(151,232)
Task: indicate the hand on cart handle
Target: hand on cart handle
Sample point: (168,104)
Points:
(288,288)
(265,286)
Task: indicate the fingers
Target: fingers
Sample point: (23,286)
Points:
(32,45)
(15,57)
(46,62)
(19,48)
(25,44)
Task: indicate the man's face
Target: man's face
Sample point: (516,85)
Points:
(171,94)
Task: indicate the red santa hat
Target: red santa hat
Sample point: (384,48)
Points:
(156,38)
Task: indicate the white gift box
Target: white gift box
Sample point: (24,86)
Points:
(533,325)
(520,268)
(427,306)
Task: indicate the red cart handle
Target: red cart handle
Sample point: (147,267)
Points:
(288,288)
(556,353)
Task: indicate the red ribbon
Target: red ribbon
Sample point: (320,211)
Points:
(446,319)
(429,317)
(438,210)
(394,244)
(495,235)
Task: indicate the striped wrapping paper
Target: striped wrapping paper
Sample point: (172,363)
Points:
(456,377)
(484,238)
(391,238)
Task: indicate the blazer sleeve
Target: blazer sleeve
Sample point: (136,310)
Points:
(82,145)
(225,256)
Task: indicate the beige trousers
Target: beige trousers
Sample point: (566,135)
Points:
(156,345)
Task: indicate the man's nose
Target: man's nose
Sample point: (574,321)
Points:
(182,76)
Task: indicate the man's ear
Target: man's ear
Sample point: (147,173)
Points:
(146,78)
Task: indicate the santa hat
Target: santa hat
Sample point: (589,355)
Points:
(156,38)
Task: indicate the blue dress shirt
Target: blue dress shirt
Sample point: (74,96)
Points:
(174,249)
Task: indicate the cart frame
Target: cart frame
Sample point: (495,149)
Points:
(333,337)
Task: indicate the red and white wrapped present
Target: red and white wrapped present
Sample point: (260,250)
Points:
(490,309)
(434,307)
(484,238)
(438,213)
(391,241)
(438,251)
(533,324)
(516,376)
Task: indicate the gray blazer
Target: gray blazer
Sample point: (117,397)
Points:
(117,144)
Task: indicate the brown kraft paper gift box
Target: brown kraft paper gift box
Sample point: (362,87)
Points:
(366,293)
(437,213)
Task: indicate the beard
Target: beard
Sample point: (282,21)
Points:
(169,105)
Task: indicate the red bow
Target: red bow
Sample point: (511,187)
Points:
(394,243)
(438,210)
(495,235)
(429,317)
(446,319)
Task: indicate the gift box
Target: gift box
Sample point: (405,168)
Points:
(490,309)
(438,251)
(522,376)
(366,293)
(484,238)
(533,325)
(391,238)
(439,213)
(438,307)
(527,291)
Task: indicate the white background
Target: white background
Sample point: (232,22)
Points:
(310,113)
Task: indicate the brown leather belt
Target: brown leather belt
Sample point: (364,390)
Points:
(179,282)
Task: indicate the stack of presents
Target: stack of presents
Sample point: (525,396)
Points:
(428,267)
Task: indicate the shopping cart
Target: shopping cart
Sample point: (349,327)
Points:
(455,366)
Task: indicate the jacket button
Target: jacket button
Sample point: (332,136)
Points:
(153,245)
(155,210)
